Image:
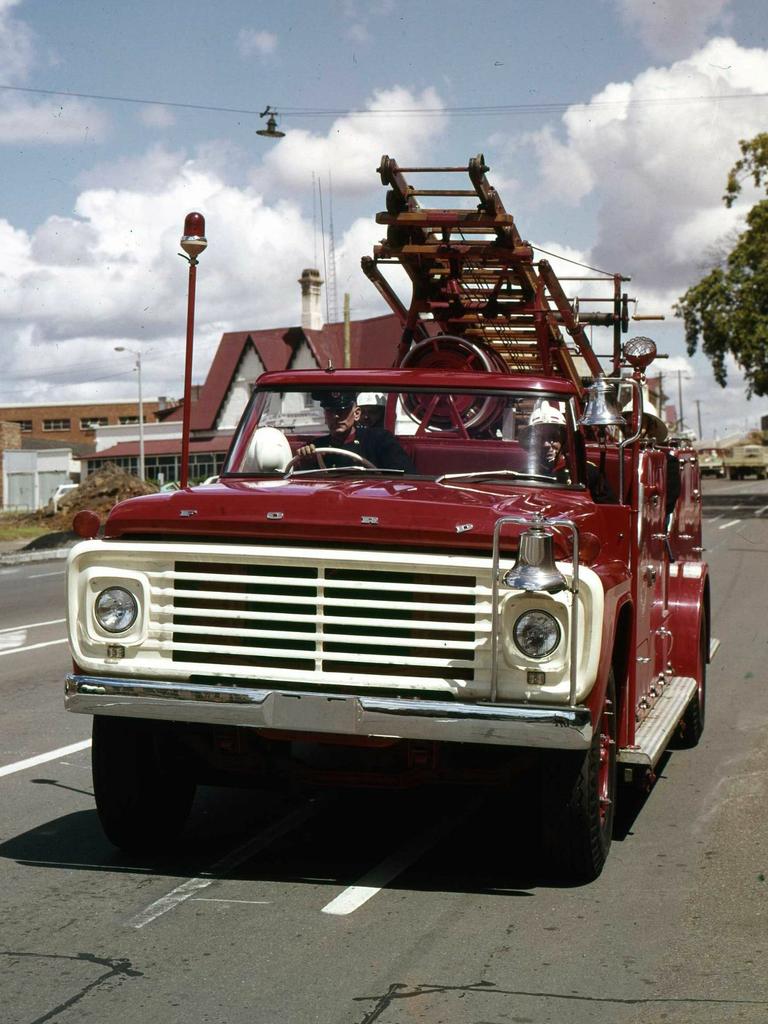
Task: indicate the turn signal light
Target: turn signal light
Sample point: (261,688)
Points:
(86,524)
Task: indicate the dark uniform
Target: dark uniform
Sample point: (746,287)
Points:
(376,444)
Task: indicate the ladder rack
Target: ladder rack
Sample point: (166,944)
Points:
(473,276)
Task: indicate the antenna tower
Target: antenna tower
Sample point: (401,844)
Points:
(331,287)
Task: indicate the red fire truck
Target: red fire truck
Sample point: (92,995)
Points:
(435,571)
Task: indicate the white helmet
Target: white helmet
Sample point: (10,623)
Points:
(655,427)
(372,398)
(544,413)
(268,451)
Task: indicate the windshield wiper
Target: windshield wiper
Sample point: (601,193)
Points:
(364,470)
(494,474)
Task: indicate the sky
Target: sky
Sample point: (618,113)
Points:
(609,127)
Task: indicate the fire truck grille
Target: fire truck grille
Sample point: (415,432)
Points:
(326,621)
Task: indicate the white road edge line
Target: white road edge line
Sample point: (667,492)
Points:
(726,526)
(39,575)
(353,897)
(32,647)
(232,860)
(31,762)
(32,625)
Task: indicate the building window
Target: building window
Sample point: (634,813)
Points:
(26,426)
(57,425)
(89,422)
(127,420)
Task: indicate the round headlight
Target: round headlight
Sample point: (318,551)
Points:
(116,609)
(536,633)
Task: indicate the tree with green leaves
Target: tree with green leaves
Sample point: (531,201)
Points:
(727,311)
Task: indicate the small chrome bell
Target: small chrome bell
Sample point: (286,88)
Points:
(535,568)
(601,409)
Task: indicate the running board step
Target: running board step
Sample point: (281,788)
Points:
(655,731)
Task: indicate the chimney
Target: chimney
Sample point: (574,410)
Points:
(311,306)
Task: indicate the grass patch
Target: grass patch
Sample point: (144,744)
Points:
(16,527)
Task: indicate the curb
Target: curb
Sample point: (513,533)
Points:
(20,557)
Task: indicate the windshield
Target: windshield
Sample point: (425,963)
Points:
(435,433)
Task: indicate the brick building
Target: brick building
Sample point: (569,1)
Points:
(72,425)
(10,440)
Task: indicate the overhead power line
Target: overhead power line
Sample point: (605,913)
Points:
(465,111)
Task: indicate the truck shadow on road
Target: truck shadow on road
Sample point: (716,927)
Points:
(461,841)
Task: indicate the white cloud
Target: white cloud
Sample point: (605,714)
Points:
(656,167)
(50,120)
(16,44)
(352,147)
(673,28)
(358,33)
(253,42)
(157,116)
(110,275)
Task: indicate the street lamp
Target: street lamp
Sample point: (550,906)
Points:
(135,352)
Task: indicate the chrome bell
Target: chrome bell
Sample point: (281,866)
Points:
(601,409)
(535,568)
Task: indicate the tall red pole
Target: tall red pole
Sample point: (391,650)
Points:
(193,242)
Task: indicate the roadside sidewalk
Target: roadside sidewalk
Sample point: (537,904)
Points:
(16,552)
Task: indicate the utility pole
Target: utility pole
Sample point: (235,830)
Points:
(135,352)
(698,415)
(347,333)
(681,421)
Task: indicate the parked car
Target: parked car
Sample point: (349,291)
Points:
(58,494)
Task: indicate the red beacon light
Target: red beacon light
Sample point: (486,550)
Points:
(86,524)
(193,241)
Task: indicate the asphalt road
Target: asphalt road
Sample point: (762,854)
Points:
(354,908)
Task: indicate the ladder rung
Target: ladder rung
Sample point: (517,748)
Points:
(443,192)
(434,170)
(456,219)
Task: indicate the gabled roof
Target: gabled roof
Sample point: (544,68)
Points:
(373,345)
(373,342)
(272,348)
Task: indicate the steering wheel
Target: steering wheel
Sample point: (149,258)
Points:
(320,452)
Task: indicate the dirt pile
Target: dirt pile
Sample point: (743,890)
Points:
(98,492)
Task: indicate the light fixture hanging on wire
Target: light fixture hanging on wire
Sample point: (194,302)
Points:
(271,131)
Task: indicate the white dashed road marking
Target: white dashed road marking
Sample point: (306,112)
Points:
(33,647)
(238,856)
(374,881)
(31,762)
(726,526)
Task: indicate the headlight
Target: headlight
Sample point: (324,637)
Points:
(536,633)
(116,609)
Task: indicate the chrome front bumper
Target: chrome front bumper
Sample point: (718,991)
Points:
(565,728)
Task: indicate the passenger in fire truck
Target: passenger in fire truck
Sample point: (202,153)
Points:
(345,430)
(545,438)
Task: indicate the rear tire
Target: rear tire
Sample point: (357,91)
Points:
(579,802)
(691,726)
(143,795)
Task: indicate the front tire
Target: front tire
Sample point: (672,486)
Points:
(143,795)
(579,801)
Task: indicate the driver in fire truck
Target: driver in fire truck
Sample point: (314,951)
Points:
(347,430)
(545,438)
